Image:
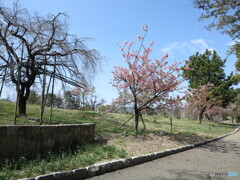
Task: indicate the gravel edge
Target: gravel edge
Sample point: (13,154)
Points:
(101,168)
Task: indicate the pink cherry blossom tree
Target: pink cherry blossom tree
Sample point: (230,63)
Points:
(218,113)
(123,100)
(201,101)
(175,106)
(148,80)
(231,110)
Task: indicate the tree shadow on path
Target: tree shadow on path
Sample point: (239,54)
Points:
(187,175)
(223,146)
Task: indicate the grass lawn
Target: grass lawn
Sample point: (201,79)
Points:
(111,143)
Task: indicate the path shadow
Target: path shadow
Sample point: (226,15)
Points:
(187,175)
(223,146)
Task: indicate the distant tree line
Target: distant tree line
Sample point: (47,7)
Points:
(79,99)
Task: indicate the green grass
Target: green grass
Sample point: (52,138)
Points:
(107,124)
(65,160)
(107,127)
(207,128)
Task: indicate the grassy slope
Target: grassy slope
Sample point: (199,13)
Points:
(184,132)
(108,124)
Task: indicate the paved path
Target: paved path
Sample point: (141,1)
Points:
(219,156)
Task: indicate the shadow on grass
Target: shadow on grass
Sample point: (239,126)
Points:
(105,129)
(230,125)
(48,155)
(102,123)
(186,138)
(63,160)
(100,140)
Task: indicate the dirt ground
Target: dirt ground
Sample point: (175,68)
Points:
(153,142)
(144,144)
(216,158)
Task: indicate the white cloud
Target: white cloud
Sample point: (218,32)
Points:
(233,43)
(187,48)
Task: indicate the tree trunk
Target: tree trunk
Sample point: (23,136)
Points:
(232,118)
(136,114)
(200,114)
(200,118)
(208,117)
(22,106)
(23,97)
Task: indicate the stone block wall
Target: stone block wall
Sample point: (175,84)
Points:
(23,140)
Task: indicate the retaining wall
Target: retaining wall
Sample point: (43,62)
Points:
(24,140)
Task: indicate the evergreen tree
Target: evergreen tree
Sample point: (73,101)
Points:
(226,19)
(224,13)
(208,68)
(57,101)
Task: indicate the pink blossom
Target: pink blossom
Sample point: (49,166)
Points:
(148,50)
(145,28)
(166,68)
(125,43)
(139,37)
(165,56)
(151,43)
(131,43)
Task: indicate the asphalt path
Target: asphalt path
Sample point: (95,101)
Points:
(210,161)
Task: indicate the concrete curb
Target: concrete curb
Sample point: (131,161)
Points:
(101,168)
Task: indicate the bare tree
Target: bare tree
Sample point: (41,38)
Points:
(85,99)
(28,45)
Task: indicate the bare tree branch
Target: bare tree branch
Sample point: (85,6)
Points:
(33,41)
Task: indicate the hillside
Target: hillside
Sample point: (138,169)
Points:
(119,143)
(107,127)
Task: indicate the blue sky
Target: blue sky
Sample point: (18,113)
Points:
(173,26)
